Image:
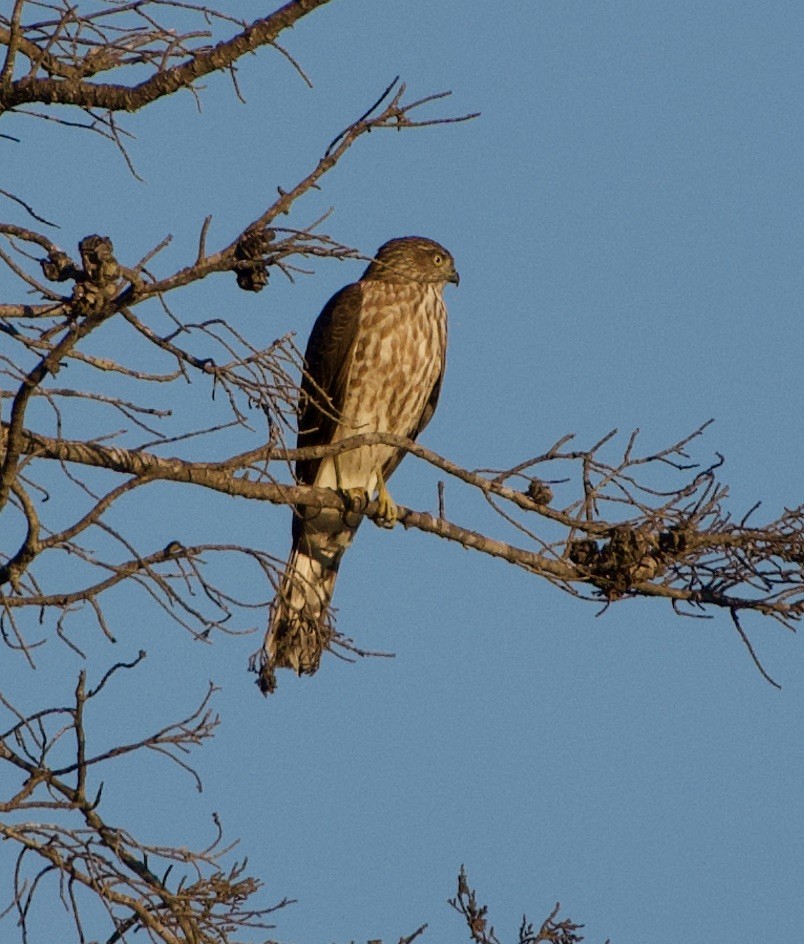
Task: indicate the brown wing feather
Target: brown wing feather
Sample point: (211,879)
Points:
(327,358)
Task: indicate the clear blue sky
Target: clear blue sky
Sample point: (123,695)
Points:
(627,220)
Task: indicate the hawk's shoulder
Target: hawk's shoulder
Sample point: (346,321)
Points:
(327,360)
(333,335)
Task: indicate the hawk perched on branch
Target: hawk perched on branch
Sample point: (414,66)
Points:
(374,363)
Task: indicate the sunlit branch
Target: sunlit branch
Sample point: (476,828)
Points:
(67,86)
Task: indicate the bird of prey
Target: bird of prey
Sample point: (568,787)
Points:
(374,364)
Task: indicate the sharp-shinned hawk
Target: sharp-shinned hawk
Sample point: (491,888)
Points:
(374,363)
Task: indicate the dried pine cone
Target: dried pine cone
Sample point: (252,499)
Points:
(252,273)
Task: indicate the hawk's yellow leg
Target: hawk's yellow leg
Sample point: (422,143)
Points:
(387,511)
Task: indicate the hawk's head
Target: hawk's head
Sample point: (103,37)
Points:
(412,259)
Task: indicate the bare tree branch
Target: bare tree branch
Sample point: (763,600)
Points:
(173,893)
(475,915)
(67,82)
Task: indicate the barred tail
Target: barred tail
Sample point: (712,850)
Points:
(300,627)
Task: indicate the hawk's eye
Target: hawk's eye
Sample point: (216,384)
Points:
(438,258)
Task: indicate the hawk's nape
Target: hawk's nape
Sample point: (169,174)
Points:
(374,363)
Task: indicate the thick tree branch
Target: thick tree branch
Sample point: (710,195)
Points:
(73,89)
(667,552)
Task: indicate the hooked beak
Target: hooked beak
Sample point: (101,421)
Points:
(454,278)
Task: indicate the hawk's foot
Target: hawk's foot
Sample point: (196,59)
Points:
(387,510)
(357,500)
